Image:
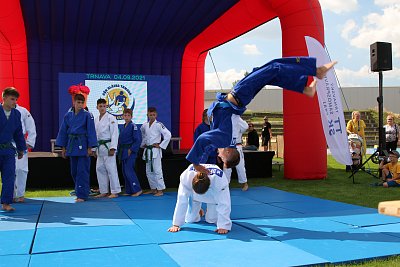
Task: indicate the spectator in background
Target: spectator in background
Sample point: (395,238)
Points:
(390,170)
(202,128)
(253,141)
(357,126)
(392,133)
(266,134)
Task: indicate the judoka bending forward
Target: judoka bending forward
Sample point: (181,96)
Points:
(196,188)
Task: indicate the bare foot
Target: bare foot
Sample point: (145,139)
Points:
(113,196)
(137,194)
(310,90)
(101,195)
(19,199)
(79,200)
(7,207)
(201,212)
(245,187)
(231,99)
(152,191)
(159,193)
(321,71)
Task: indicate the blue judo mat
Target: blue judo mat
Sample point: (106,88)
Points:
(270,228)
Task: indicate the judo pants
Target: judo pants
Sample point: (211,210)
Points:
(240,168)
(290,73)
(21,175)
(155,177)
(192,214)
(7,170)
(132,184)
(107,174)
(80,172)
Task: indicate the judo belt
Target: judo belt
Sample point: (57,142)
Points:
(121,148)
(151,157)
(104,143)
(72,139)
(7,146)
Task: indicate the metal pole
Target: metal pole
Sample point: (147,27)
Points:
(382,138)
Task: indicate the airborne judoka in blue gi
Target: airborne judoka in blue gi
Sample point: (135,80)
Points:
(77,137)
(10,130)
(289,73)
(128,147)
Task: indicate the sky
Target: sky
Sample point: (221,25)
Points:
(351,26)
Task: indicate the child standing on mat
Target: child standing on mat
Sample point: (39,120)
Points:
(196,188)
(289,73)
(106,164)
(152,131)
(10,130)
(128,146)
(77,137)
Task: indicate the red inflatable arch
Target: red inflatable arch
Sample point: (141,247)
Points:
(13,51)
(305,146)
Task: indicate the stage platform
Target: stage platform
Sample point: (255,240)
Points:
(270,228)
(49,170)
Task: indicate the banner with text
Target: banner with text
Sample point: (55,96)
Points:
(330,105)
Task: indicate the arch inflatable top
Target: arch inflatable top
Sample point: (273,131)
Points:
(39,39)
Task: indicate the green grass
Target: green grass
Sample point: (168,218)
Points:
(337,186)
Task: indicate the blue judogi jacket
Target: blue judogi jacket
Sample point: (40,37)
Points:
(77,133)
(11,130)
(202,128)
(129,138)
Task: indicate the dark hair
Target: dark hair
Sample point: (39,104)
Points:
(201,183)
(128,111)
(233,159)
(101,101)
(151,109)
(79,97)
(10,91)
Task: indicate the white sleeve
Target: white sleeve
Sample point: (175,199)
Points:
(182,200)
(30,128)
(243,126)
(166,136)
(143,131)
(223,199)
(114,132)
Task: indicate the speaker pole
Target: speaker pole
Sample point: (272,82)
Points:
(382,137)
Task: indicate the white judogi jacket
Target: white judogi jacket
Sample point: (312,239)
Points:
(28,125)
(152,134)
(106,129)
(218,194)
(239,128)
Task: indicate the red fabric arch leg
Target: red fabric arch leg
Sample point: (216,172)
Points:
(301,115)
(13,51)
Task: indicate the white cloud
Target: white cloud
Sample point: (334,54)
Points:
(379,27)
(339,6)
(226,77)
(251,49)
(348,28)
(364,77)
(385,2)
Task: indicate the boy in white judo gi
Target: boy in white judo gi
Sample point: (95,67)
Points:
(10,130)
(106,164)
(196,188)
(238,129)
(152,131)
(21,172)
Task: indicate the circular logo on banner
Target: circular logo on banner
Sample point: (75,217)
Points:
(118,98)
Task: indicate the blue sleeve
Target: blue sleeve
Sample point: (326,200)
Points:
(137,138)
(62,137)
(91,131)
(196,133)
(18,136)
(205,144)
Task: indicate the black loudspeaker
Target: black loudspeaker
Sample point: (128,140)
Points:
(381,56)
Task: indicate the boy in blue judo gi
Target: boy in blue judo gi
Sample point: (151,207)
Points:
(10,130)
(289,73)
(128,147)
(77,137)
